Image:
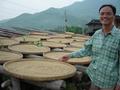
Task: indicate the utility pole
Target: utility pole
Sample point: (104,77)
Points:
(65,21)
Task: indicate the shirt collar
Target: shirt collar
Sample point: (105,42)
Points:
(112,32)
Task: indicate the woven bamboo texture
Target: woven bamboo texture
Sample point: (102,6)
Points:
(9,56)
(83,60)
(80,35)
(38,33)
(40,37)
(41,58)
(55,55)
(71,49)
(53,44)
(27,39)
(61,40)
(7,42)
(1,37)
(77,44)
(69,33)
(29,49)
(39,70)
(61,36)
(81,39)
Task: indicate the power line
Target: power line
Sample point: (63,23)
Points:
(10,10)
(14,10)
(22,6)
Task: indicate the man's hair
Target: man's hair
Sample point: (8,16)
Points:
(109,5)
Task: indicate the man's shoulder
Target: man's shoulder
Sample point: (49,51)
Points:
(98,32)
(117,33)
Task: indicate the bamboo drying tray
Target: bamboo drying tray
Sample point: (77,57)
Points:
(69,33)
(2,37)
(9,56)
(40,37)
(41,58)
(39,70)
(55,55)
(53,44)
(39,33)
(27,38)
(71,49)
(58,55)
(29,49)
(7,42)
(77,44)
(61,36)
(61,40)
(80,35)
(81,39)
(83,60)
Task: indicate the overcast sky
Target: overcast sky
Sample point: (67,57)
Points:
(13,8)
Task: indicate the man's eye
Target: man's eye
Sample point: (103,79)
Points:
(101,13)
(109,13)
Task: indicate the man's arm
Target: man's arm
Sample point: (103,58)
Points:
(118,83)
(86,51)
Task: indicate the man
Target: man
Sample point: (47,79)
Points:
(104,49)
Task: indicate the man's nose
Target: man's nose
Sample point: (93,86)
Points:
(105,15)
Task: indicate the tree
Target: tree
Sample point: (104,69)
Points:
(74,29)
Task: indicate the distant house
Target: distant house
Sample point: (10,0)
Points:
(95,24)
(117,21)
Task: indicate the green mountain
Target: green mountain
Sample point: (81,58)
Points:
(78,14)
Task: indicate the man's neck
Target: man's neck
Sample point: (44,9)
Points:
(107,28)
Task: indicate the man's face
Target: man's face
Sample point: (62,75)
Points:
(106,16)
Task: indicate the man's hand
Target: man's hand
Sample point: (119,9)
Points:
(64,58)
(117,87)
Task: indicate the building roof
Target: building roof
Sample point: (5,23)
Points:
(94,21)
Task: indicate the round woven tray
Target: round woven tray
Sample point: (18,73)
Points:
(83,60)
(71,49)
(9,56)
(38,33)
(80,35)
(55,55)
(39,70)
(27,39)
(1,37)
(40,37)
(29,49)
(7,42)
(77,44)
(61,36)
(81,39)
(53,44)
(61,40)
(41,58)
(69,33)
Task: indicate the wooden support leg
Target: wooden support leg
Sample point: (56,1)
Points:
(52,85)
(81,68)
(15,84)
(2,71)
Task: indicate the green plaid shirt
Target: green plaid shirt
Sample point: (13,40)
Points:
(104,70)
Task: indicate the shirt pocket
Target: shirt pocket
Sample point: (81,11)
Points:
(96,47)
(112,46)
